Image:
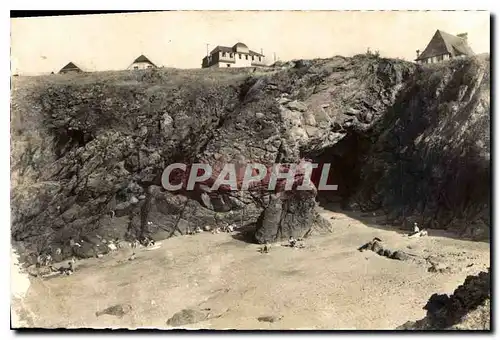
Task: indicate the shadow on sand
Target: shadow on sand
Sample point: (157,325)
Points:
(245,233)
(379,221)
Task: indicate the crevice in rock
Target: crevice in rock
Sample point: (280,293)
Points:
(65,139)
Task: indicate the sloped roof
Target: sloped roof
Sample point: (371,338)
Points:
(442,43)
(143,59)
(255,53)
(221,49)
(70,67)
(232,50)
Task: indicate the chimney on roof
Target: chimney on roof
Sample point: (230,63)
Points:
(463,36)
(418,53)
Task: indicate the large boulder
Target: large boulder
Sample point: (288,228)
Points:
(290,214)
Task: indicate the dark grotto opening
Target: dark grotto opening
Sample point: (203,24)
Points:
(65,139)
(345,159)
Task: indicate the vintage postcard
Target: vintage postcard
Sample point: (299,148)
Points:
(251,170)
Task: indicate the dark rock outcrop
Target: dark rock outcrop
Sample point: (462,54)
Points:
(430,157)
(467,308)
(377,246)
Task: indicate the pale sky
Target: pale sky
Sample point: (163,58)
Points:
(178,38)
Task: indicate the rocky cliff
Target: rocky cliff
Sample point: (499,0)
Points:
(88,151)
(430,157)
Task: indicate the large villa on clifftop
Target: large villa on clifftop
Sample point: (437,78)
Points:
(237,56)
(444,46)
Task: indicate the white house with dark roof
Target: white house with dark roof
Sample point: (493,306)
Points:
(141,63)
(237,56)
(70,68)
(444,46)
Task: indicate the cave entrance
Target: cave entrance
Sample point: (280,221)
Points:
(65,139)
(344,158)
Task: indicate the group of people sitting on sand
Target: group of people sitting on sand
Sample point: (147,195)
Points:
(292,243)
(225,228)
(45,263)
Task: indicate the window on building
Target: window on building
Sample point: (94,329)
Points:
(253,57)
(439,58)
(246,56)
(136,67)
(260,59)
(231,55)
(228,65)
(239,54)
(149,66)
(223,54)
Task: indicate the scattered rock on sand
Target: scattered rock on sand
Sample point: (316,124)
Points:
(117,310)
(269,318)
(400,255)
(376,246)
(440,268)
(188,316)
(387,253)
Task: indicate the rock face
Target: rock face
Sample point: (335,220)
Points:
(467,308)
(88,150)
(430,157)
